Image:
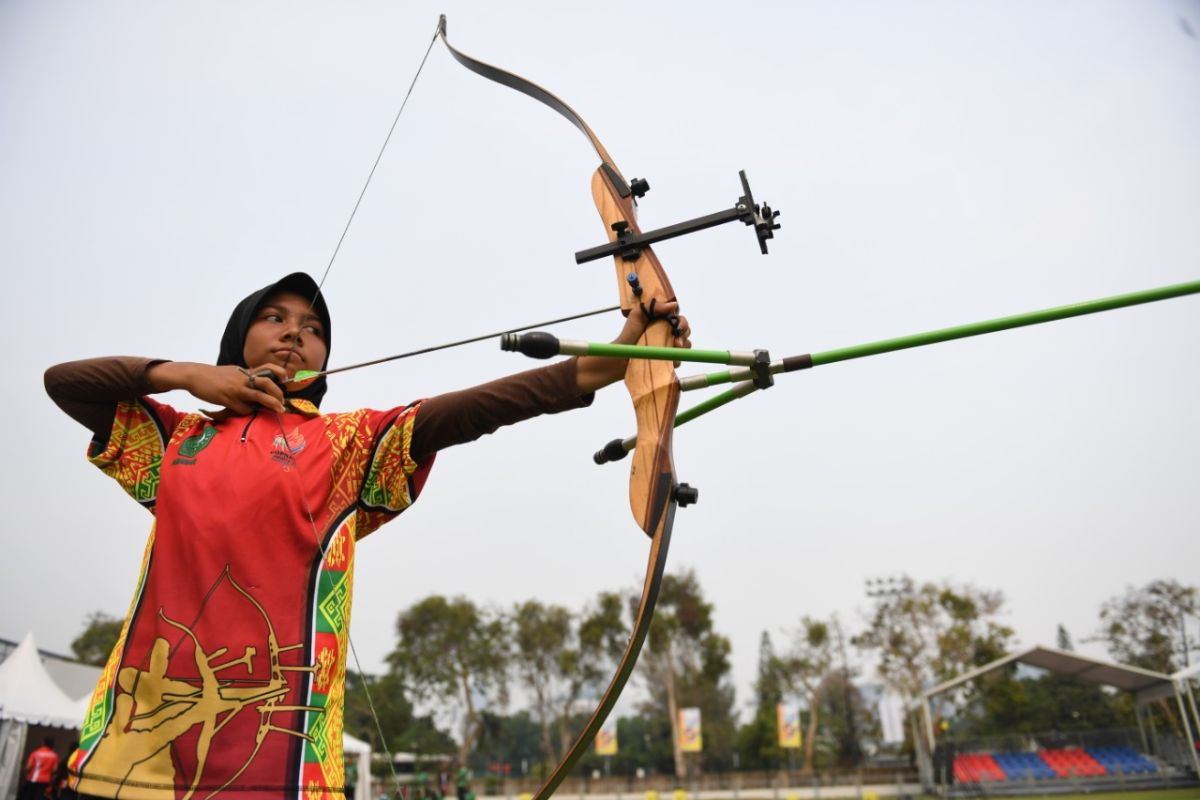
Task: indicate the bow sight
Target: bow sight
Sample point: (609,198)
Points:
(628,245)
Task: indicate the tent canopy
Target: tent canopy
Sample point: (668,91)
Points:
(353,745)
(28,694)
(1145,684)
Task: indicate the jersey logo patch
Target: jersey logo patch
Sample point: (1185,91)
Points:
(192,445)
(285,448)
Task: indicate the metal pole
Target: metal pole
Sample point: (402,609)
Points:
(927,716)
(1189,741)
(1187,684)
(1141,722)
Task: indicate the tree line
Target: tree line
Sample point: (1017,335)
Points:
(465,660)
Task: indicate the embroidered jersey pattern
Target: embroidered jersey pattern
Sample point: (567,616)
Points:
(229,673)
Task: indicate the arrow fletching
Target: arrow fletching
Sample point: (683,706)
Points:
(302,378)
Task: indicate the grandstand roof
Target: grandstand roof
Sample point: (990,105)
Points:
(1144,683)
(1187,672)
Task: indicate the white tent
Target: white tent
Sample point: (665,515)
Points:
(28,696)
(362,752)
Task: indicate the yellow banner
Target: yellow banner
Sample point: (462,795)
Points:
(606,738)
(690,740)
(788,719)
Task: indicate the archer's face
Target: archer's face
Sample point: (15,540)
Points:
(286,331)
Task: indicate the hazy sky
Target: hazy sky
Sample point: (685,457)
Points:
(936,163)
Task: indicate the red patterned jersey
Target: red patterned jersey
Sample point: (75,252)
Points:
(229,673)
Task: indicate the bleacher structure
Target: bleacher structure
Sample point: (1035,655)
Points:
(1058,762)
(1069,762)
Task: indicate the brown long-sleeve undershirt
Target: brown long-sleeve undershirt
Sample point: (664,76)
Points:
(89,390)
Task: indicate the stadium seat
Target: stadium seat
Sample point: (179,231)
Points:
(976,767)
(1073,762)
(1122,760)
(1024,766)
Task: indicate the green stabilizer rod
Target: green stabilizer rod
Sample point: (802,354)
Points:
(739,374)
(540,344)
(616,449)
(619,448)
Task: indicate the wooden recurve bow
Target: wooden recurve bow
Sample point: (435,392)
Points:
(653,386)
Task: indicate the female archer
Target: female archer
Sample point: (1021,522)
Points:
(229,672)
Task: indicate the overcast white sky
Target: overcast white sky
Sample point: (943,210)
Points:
(936,163)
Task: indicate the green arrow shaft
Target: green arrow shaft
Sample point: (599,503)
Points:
(1005,323)
(574,347)
(794,363)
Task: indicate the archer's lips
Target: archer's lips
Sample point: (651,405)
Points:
(285,354)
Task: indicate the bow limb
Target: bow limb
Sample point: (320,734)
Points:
(522,85)
(653,388)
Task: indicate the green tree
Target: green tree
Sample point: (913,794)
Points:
(513,740)
(1045,703)
(685,663)
(547,664)
(923,634)
(805,666)
(98,639)
(402,730)
(562,655)
(456,654)
(1148,627)
(852,721)
(758,740)
(846,719)
(1064,639)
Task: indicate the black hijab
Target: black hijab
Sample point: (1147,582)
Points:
(233,342)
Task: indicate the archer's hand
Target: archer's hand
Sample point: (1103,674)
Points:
(595,372)
(637,322)
(233,388)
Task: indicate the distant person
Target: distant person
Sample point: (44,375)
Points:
(462,787)
(62,783)
(40,769)
(351,779)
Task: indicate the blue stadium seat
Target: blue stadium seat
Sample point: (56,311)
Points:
(1123,759)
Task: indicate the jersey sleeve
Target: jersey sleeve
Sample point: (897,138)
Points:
(133,453)
(393,478)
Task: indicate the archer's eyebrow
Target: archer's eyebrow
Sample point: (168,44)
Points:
(309,316)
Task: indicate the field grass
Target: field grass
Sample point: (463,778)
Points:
(1143,794)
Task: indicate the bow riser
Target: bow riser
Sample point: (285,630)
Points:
(653,385)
